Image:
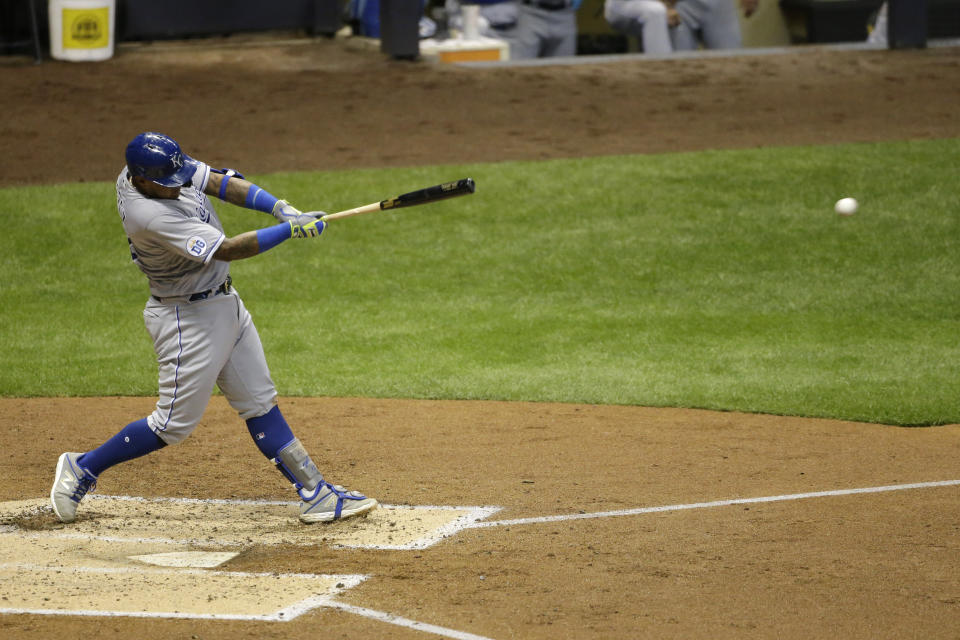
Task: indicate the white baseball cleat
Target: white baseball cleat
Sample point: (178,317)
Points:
(330,502)
(70,484)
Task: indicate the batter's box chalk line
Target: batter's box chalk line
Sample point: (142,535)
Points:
(131,592)
(237,522)
(300,592)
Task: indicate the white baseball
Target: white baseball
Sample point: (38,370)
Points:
(846,206)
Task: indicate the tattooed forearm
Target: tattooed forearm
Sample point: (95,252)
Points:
(238,247)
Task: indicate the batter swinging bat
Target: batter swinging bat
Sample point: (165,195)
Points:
(435,193)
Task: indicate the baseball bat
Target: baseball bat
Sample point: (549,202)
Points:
(435,193)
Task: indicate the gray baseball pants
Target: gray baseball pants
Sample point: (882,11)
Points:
(541,33)
(716,22)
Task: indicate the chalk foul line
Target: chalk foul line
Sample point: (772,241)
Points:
(461,635)
(712,504)
(399,621)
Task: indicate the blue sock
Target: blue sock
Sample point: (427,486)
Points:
(270,432)
(134,440)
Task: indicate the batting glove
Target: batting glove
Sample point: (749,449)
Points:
(285,212)
(310,228)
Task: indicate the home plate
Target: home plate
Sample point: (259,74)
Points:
(220,523)
(129,556)
(193,559)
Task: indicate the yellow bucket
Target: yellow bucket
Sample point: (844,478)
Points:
(82,30)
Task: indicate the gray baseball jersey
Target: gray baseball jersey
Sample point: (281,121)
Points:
(202,333)
(173,241)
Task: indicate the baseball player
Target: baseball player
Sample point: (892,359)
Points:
(714,22)
(643,19)
(201,330)
(545,28)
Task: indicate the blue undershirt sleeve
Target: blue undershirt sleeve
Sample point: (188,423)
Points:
(260,200)
(269,237)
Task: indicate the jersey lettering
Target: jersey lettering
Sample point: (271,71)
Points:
(202,206)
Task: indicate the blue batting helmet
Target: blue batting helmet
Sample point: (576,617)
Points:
(158,158)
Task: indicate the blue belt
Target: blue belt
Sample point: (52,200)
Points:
(549,6)
(203,295)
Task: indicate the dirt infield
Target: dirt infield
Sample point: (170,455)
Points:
(501,520)
(324,105)
(877,564)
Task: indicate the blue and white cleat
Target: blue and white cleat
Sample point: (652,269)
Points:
(330,502)
(70,484)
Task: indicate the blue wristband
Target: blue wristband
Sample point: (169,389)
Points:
(260,200)
(223,187)
(270,237)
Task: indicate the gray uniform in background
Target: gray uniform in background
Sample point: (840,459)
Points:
(545,28)
(715,22)
(501,19)
(643,19)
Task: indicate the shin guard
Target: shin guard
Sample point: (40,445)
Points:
(295,464)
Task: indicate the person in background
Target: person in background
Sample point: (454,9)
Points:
(545,28)
(645,20)
(714,24)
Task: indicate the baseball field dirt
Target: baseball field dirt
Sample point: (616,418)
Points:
(500,520)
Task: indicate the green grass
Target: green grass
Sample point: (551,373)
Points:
(718,280)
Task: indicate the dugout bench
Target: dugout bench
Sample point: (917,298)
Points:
(831,21)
